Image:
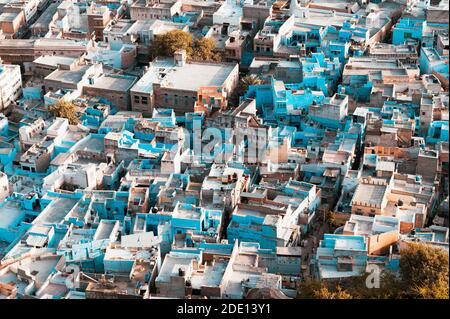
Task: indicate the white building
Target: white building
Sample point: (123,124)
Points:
(229,13)
(10,84)
(70,177)
(4,186)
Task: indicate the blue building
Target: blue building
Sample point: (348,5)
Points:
(437,132)
(408,29)
(340,256)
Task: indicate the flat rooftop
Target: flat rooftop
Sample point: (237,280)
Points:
(54,60)
(114,82)
(55,212)
(144,4)
(370,194)
(335,4)
(371,63)
(157,26)
(173,262)
(8,16)
(91,143)
(188,77)
(68,76)
(9,214)
(211,277)
(316,17)
(46,17)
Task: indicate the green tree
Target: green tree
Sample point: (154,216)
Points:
(66,110)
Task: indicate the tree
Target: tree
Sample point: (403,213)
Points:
(243,85)
(338,293)
(202,49)
(308,288)
(250,80)
(166,44)
(314,289)
(205,50)
(66,110)
(424,272)
(389,287)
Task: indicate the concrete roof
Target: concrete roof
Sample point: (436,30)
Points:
(54,60)
(188,77)
(114,82)
(68,76)
(205,75)
(370,193)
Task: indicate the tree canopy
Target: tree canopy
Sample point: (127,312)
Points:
(166,44)
(203,49)
(66,110)
(314,289)
(424,272)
